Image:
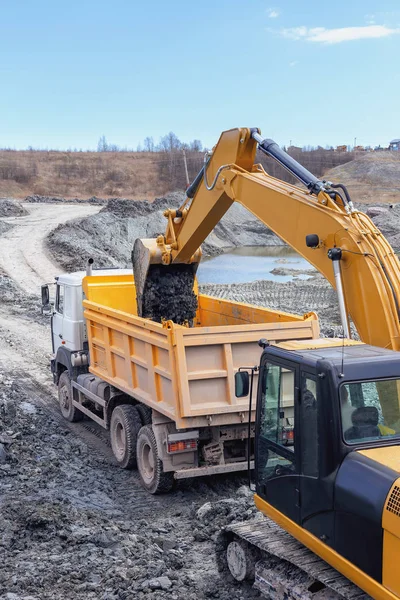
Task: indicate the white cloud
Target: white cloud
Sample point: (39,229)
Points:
(272,13)
(293,63)
(336,36)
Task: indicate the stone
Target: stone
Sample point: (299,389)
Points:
(3,454)
(157,583)
(204,511)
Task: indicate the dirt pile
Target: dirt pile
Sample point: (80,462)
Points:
(11,208)
(372,178)
(83,529)
(387,219)
(4,227)
(17,301)
(108,236)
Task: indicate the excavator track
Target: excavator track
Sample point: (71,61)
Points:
(283,568)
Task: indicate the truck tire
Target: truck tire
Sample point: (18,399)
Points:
(150,467)
(68,410)
(124,427)
(145,414)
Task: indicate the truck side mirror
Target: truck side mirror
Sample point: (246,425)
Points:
(242,384)
(46,305)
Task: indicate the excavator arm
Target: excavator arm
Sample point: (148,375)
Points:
(318,221)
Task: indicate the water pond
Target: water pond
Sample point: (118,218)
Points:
(246,264)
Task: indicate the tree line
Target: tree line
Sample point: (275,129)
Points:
(167,143)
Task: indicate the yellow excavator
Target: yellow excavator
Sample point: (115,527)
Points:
(336,490)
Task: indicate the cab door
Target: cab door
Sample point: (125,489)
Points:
(57,320)
(277,463)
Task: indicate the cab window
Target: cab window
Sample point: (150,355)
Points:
(60,299)
(276,435)
(309,421)
(370,410)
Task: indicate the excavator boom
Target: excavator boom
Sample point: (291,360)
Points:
(366,265)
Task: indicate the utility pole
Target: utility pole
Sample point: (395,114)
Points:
(186,168)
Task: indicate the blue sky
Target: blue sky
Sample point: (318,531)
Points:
(309,71)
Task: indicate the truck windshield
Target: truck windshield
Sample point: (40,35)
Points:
(370,410)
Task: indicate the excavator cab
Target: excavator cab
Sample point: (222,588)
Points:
(336,480)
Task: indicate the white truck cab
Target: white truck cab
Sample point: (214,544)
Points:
(68,327)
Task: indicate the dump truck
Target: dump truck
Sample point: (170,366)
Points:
(164,391)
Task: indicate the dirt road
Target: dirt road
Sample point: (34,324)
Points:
(22,252)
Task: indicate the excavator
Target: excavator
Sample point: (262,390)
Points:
(331,500)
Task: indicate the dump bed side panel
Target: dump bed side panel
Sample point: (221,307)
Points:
(208,359)
(136,359)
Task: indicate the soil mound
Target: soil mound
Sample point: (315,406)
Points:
(11,208)
(375,177)
(108,236)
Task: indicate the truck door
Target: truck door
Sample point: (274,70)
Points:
(277,469)
(58,317)
(66,324)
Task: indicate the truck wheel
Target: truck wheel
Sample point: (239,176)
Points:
(124,427)
(145,413)
(150,467)
(68,410)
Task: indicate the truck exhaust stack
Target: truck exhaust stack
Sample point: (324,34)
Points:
(164,292)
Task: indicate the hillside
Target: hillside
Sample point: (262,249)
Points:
(145,175)
(85,174)
(373,177)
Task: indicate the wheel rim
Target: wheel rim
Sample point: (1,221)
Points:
(120,441)
(65,403)
(147,462)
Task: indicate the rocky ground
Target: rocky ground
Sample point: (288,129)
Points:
(73,525)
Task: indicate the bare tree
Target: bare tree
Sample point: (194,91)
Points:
(196,146)
(102,145)
(170,143)
(148,144)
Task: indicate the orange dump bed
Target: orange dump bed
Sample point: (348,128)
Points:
(187,374)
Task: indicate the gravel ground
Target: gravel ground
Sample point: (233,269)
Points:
(74,526)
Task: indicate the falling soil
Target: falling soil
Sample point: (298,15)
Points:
(168,294)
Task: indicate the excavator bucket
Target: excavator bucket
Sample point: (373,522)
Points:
(164,292)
